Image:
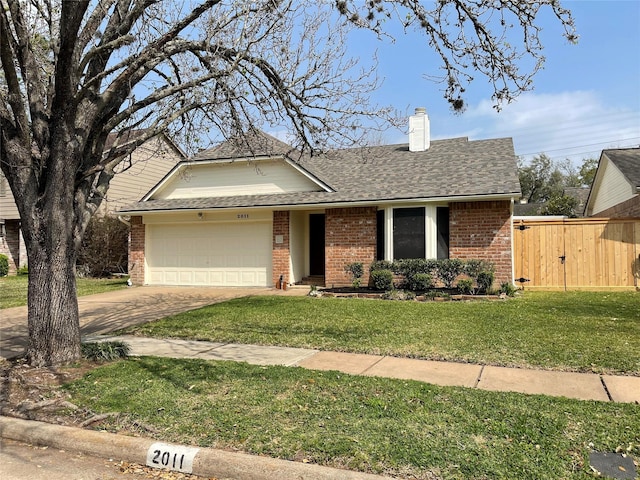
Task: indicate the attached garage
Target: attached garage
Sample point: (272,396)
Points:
(209,254)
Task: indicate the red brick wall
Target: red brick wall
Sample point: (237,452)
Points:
(281,251)
(136,251)
(482,230)
(628,208)
(350,236)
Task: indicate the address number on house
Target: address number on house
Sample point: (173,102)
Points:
(173,457)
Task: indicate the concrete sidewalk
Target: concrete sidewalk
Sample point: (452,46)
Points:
(581,386)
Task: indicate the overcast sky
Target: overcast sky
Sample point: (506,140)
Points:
(586,99)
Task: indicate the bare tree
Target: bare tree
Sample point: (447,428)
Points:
(74,71)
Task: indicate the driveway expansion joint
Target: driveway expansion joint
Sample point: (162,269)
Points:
(479,376)
(364,372)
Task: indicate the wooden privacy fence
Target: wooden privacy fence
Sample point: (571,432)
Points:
(577,254)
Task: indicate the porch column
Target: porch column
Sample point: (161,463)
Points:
(281,252)
(136,251)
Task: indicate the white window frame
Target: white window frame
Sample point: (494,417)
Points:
(430,229)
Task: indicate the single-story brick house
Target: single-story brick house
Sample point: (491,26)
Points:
(615,191)
(248,212)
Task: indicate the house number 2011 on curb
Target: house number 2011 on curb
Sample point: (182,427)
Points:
(173,457)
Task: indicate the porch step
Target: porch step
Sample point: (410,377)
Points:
(317,280)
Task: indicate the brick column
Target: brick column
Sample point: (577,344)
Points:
(482,230)
(10,245)
(350,236)
(281,253)
(136,251)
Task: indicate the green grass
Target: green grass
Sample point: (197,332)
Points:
(13,289)
(404,428)
(577,331)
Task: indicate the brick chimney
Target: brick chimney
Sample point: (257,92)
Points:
(419,135)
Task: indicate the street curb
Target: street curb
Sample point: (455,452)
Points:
(208,462)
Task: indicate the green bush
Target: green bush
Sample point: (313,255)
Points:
(465,286)
(105,351)
(381,265)
(382,279)
(412,266)
(449,269)
(23,270)
(420,274)
(485,281)
(473,267)
(508,288)
(420,282)
(4,265)
(356,270)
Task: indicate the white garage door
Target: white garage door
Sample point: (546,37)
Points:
(224,255)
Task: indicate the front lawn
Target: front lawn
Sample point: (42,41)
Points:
(579,331)
(13,289)
(400,428)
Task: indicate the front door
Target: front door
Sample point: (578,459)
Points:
(316,244)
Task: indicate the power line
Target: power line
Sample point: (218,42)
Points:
(583,146)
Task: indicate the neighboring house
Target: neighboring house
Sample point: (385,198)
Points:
(524,209)
(252,211)
(137,173)
(615,191)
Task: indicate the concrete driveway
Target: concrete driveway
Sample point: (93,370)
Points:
(106,312)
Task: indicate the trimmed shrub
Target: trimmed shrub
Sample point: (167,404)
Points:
(382,279)
(4,265)
(449,269)
(465,286)
(420,282)
(381,265)
(356,270)
(412,266)
(473,267)
(485,281)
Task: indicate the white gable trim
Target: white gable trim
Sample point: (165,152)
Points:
(186,164)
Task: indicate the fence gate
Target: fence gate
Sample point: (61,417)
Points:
(577,254)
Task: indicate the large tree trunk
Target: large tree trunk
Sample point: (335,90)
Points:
(54,327)
(52,229)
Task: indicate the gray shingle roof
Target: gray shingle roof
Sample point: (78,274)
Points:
(450,168)
(628,162)
(251,144)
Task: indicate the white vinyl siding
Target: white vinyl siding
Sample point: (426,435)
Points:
(8,208)
(217,254)
(612,189)
(235,179)
(147,165)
